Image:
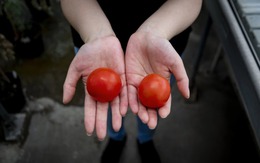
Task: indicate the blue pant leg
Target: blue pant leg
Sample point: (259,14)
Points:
(76,49)
(111,133)
(145,134)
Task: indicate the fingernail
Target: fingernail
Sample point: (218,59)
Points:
(146,119)
(89,134)
(188,95)
(152,128)
(164,115)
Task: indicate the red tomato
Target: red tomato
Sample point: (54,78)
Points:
(104,84)
(154,91)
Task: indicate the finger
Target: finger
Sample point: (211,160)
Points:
(101,120)
(70,83)
(116,115)
(132,99)
(143,114)
(166,109)
(123,101)
(152,123)
(90,114)
(181,77)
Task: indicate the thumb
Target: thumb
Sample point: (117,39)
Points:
(69,86)
(181,77)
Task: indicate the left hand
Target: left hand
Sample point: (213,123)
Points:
(146,54)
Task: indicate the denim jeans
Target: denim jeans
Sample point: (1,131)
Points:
(144,132)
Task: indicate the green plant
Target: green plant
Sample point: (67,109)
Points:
(7,54)
(19,15)
(7,57)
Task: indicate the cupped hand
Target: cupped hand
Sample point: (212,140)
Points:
(103,52)
(146,54)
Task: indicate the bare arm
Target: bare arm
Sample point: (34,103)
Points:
(87,18)
(101,49)
(172,17)
(149,51)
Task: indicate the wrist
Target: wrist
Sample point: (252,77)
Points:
(152,29)
(94,35)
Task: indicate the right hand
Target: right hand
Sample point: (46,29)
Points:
(102,52)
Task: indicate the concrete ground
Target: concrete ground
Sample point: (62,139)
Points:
(211,128)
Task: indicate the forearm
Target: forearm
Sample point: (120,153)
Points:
(172,17)
(87,18)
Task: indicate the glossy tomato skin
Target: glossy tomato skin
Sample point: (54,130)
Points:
(104,84)
(154,91)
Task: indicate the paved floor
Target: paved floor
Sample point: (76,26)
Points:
(212,128)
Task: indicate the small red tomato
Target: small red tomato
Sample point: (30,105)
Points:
(154,91)
(104,84)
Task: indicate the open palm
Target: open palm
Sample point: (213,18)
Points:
(104,52)
(146,54)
